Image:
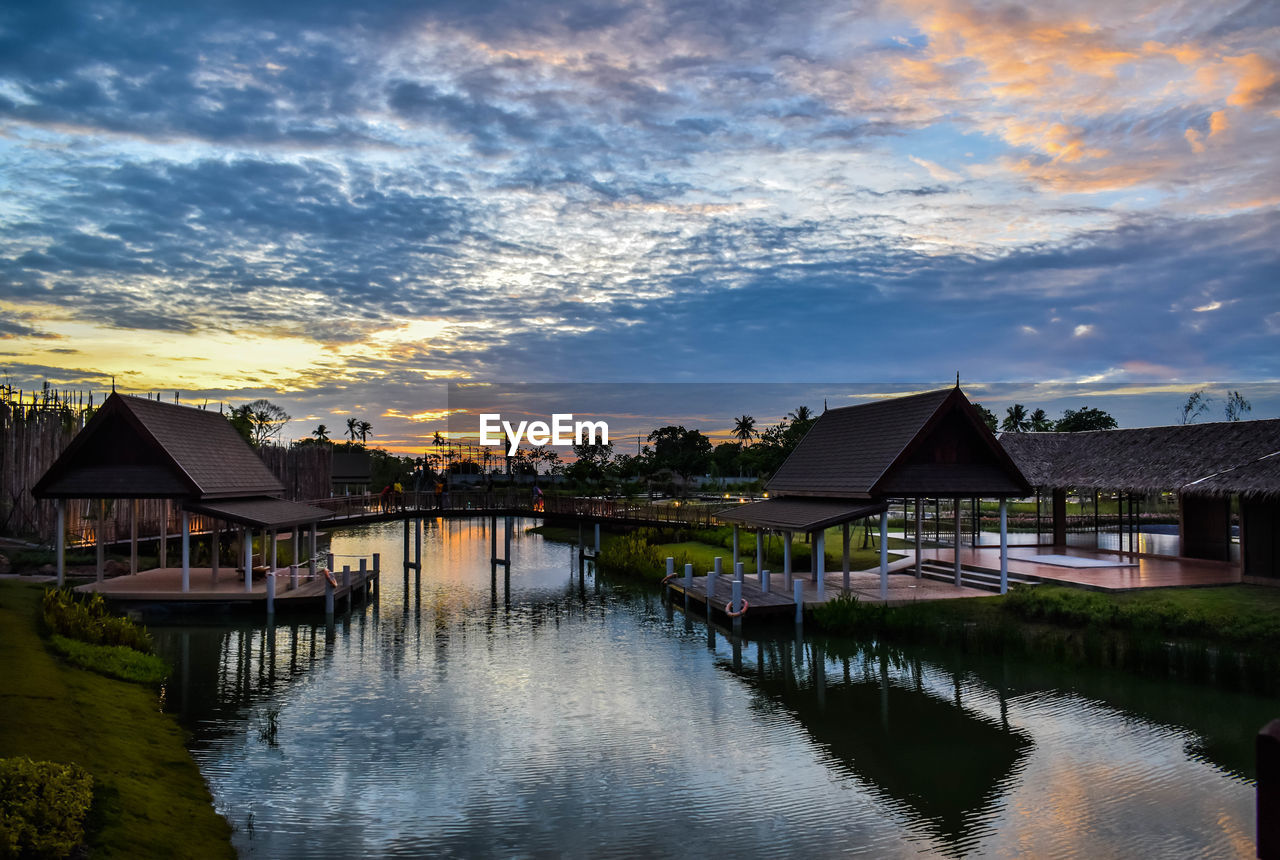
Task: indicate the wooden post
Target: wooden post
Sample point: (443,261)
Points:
(417,544)
(346,583)
(711,588)
(186,551)
(328,599)
(597,538)
(377,573)
(271,593)
(1267,751)
(133,536)
(884,555)
(764,581)
(1004,545)
(798,595)
(364,575)
(60,540)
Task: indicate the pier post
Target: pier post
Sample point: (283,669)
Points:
(377,574)
(764,581)
(346,583)
(293,576)
(417,543)
(688,577)
(786,558)
(597,538)
(735,601)
(315,550)
(1004,545)
(671,566)
(328,561)
(186,552)
(820,563)
(407,563)
(364,577)
(884,555)
(328,599)
(271,594)
(798,595)
(275,536)
(735,543)
(711,588)
(493,538)
(786,581)
(739,571)
(717,565)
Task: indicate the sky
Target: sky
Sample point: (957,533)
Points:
(344,206)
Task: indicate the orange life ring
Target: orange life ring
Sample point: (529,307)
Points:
(728,609)
(328,574)
(668,578)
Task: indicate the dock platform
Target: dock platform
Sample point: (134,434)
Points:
(164,586)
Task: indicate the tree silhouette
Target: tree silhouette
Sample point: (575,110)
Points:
(801,414)
(366,429)
(1015,420)
(353,428)
(1040,422)
(1237,406)
(321,433)
(744,428)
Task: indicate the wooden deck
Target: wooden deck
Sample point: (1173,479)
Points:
(164,585)
(1132,571)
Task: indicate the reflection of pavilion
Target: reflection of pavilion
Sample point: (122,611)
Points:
(945,764)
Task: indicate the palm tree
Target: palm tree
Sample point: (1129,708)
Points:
(353,428)
(802,413)
(745,428)
(1016,420)
(365,429)
(1040,422)
(321,433)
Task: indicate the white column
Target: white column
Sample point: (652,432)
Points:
(820,563)
(1004,545)
(274,536)
(957,520)
(786,555)
(186,551)
(884,555)
(313,528)
(919,564)
(247,540)
(60,540)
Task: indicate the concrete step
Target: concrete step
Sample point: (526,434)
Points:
(983,580)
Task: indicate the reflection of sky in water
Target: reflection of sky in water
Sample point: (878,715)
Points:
(593,722)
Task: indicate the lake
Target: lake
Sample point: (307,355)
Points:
(566,716)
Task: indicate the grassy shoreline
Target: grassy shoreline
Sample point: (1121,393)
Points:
(149,797)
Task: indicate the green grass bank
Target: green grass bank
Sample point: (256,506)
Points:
(149,799)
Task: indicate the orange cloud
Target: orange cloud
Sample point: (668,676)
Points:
(1255,76)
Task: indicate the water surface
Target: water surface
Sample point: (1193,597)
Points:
(563,716)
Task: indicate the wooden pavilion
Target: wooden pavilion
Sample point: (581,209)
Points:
(1206,465)
(857,458)
(136,448)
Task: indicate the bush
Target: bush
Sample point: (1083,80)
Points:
(633,555)
(114,661)
(42,807)
(89,621)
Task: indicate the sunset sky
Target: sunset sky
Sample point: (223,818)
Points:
(333,204)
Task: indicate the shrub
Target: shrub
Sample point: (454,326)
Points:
(42,807)
(114,661)
(633,555)
(90,621)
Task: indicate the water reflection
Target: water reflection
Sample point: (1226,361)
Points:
(484,711)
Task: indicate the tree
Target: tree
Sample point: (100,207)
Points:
(1237,406)
(353,428)
(1197,404)
(259,421)
(1016,420)
(1084,418)
(1040,422)
(744,428)
(366,430)
(684,452)
(321,433)
(802,413)
(590,463)
(725,458)
(988,417)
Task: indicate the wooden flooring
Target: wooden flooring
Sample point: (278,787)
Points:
(165,585)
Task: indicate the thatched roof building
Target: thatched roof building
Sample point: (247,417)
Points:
(1216,459)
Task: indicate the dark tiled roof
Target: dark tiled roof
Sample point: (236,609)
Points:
(866,451)
(139,448)
(261,512)
(798,514)
(1217,458)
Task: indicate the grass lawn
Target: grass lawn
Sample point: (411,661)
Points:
(149,797)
